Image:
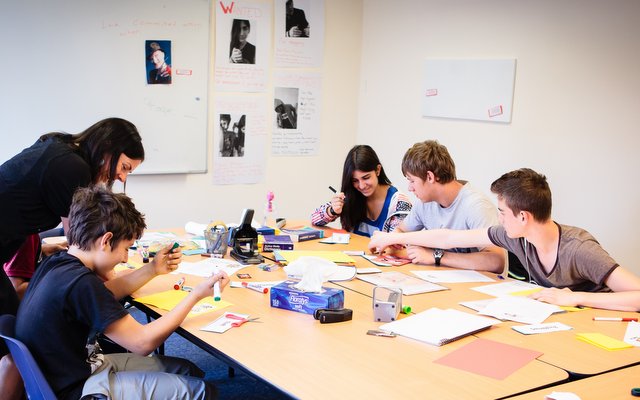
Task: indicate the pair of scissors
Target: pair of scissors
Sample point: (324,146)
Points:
(240,320)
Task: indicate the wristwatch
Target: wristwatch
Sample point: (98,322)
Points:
(437,256)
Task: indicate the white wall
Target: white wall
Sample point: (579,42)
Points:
(576,103)
(299,183)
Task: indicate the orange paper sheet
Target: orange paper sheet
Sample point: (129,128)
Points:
(489,358)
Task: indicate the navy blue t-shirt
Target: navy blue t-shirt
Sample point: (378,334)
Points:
(65,306)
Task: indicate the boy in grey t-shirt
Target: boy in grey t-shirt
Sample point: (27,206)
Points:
(447,203)
(567,260)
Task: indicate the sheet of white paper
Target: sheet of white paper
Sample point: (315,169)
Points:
(561,396)
(303,51)
(263,284)
(223,323)
(632,335)
(157,237)
(337,238)
(519,309)
(296,131)
(250,73)
(476,305)
(452,276)
(239,155)
(208,266)
(409,284)
(541,328)
(499,289)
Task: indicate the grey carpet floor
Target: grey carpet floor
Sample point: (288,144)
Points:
(240,386)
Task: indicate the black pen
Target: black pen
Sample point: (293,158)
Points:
(332,189)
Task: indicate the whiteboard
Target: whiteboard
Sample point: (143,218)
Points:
(469,89)
(69,63)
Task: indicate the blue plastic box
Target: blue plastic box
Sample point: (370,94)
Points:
(285,296)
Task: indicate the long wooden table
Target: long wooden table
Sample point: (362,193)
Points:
(306,359)
(614,385)
(561,349)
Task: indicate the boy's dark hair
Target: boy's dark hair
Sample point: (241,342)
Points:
(225,117)
(525,190)
(96,210)
(427,156)
(362,158)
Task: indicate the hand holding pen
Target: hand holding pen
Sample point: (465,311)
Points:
(206,287)
(337,202)
(167,259)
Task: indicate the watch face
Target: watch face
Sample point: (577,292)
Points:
(438,253)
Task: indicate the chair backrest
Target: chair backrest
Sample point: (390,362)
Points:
(34,382)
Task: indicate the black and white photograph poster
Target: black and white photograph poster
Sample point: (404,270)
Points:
(239,140)
(243,45)
(298,33)
(296,113)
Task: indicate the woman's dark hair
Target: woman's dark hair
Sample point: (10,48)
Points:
(108,138)
(360,158)
(235,33)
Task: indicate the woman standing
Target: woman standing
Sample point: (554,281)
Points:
(37,185)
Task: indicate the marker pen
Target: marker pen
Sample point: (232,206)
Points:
(332,189)
(175,246)
(216,291)
(255,287)
(178,285)
(616,319)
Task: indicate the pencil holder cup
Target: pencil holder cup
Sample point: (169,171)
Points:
(215,237)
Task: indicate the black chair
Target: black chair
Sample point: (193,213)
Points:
(35,383)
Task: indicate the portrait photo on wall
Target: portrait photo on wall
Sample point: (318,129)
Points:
(297,24)
(232,134)
(241,51)
(158,61)
(285,105)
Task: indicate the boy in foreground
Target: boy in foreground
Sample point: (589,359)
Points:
(568,261)
(67,304)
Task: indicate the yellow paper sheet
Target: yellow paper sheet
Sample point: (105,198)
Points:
(167,300)
(525,292)
(603,341)
(337,257)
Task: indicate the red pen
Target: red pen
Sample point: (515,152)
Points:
(179,284)
(617,319)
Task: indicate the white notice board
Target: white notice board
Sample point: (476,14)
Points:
(469,89)
(69,63)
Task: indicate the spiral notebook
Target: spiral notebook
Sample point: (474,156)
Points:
(438,327)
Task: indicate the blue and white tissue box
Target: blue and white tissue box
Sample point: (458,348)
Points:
(287,297)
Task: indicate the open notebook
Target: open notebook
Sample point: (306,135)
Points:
(437,327)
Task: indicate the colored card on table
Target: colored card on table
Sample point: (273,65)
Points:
(167,300)
(489,358)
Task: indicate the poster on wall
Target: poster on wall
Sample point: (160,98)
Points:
(296,114)
(240,136)
(243,44)
(299,33)
(469,89)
